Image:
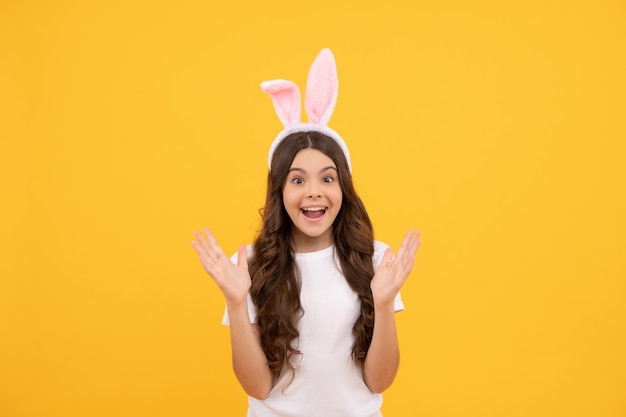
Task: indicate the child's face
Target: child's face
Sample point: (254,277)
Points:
(312,197)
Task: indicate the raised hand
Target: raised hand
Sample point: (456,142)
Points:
(393,272)
(233,280)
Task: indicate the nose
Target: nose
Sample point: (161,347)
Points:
(313,191)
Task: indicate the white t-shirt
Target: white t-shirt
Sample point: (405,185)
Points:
(327,382)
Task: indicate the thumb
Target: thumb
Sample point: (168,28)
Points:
(242,257)
(387,258)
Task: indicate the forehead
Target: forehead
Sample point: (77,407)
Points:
(311,159)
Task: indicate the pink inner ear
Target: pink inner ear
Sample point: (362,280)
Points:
(321,88)
(286,98)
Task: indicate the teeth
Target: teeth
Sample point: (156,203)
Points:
(313,208)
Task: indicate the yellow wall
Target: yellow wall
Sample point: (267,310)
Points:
(498,128)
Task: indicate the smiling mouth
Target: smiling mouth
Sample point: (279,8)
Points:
(314,212)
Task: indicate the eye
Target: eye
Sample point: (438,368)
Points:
(297,180)
(328,178)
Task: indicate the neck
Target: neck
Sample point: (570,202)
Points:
(301,243)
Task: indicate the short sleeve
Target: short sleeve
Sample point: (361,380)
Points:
(379,251)
(251,307)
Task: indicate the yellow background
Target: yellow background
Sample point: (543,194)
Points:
(497,128)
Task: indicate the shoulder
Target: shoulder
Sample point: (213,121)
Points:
(379,251)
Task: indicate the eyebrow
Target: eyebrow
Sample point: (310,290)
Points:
(321,170)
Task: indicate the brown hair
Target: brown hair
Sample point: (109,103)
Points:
(275,287)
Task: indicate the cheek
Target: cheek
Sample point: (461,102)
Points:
(338,195)
(337,202)
(289,198)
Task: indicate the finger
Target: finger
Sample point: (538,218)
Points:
(242,257)
(406,242)
(387,258)
(201,245)
(202,253)
(215,251)
(411,251)
(417,241)
(406,255)
(198,244)
(414,241)
(202,241)
(196,247)
(207,263)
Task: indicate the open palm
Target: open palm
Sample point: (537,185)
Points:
(393,272)
(233,280)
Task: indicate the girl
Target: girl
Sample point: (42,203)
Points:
(311,303)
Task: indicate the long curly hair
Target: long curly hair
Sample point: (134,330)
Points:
(275,287)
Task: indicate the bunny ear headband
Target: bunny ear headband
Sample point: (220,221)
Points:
(319,102)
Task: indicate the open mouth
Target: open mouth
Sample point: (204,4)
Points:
(314,212)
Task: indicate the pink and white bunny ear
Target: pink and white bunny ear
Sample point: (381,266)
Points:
(321,96)
(286,98)
(321,88)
